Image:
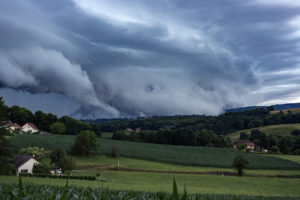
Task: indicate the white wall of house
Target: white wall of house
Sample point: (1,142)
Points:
(27,128)
(27,165)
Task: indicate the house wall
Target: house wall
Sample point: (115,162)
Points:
(28,128)
(27,165)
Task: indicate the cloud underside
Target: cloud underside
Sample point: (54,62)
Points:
(132,58)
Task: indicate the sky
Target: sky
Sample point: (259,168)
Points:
(135,58)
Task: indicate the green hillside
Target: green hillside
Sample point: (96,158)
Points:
(281,129)
(184,155)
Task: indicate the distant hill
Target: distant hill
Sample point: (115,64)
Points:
(278,130)
(278,107)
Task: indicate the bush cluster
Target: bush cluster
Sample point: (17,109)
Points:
(91,178)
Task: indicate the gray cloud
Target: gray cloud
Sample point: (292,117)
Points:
(133,58)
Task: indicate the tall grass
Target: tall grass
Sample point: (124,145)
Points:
(184,155)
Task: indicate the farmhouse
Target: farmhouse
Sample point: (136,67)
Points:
(29,128)
(250,145)
(24,163)
(13,126)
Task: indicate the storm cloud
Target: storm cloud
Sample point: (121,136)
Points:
(144,58)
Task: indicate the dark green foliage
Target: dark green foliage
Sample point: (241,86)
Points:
(274,149)
(20,115)
(255,135)
(115,151)
(296,132)
(74,126)
(57,154)
(244,136)
(58,128)
(41,168)
(286,145)
(182,136)
(43,120)
(60,159)
(222,124)
(264,141)
(38,192)
(47,175)
(240,163)
(66,163)
(3,111)
(184,155)
(175,192)
(85,142)
(6,168)
(20,189)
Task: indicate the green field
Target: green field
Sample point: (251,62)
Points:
(104,162)
(282,129)
(200,184)
(183,155)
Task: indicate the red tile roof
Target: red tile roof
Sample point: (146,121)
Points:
(32,126)
(248,142)
(13,124)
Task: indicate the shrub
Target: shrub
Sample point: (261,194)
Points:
(275,149)
(66,163)
(40,168)
(57,154)
(58,128)
(297,151)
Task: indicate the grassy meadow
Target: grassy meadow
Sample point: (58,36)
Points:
(104,162)
(281,129)
(182,155)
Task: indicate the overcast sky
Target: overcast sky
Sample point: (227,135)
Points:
(116,58)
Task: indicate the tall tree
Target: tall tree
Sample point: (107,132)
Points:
(240,163)
(86,141)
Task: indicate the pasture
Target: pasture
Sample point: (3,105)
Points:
(181,155)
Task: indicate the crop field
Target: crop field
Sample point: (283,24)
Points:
(295,110)
(37,192)
(182,155)
(195,184)
(282,129)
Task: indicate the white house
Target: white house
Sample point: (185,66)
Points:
(24,163)
(29,128)
(13,126)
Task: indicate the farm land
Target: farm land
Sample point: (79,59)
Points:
(152,167)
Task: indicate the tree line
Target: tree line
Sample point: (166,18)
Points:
(221,125)
(182,136)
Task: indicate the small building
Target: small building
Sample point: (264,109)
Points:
(128,130)
(24,163)
(248,143)
(13,126)
(29,128)
(137,130)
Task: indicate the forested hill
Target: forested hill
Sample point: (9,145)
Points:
(222,124)
(286,106)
